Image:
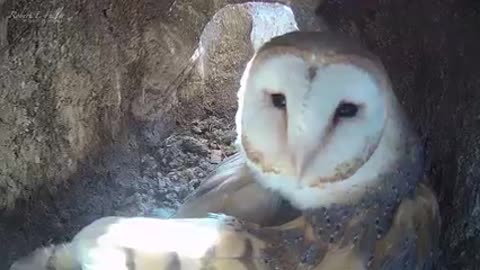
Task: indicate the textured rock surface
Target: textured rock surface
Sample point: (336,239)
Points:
(225,47)
(3,27)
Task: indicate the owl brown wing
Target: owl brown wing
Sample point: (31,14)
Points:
(142,243)
(215,242)
(232,190)
(412,241)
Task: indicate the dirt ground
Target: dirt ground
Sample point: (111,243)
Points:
(149,181)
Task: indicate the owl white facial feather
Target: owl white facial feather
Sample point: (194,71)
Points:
(318,127)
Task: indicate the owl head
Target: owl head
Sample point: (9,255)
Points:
(317,114)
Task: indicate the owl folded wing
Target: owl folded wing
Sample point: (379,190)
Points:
(214,242)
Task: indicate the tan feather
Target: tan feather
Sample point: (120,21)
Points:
(216,242)
(232,190)
(416,220)
(221,242)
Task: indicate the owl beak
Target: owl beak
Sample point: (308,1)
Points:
(303,162)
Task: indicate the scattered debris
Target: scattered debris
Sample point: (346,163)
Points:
(184,159)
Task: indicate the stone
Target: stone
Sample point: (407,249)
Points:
(216,156)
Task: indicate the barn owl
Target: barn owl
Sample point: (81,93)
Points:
(319,127)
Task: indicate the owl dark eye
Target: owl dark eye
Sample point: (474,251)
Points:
(279,100)
(346,110)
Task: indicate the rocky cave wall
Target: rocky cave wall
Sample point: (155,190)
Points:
(88,87)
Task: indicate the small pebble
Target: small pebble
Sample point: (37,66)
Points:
(216,156)
(197,130)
